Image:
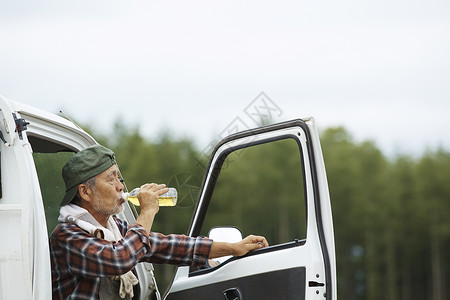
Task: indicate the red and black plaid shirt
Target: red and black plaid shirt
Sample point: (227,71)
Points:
(79,260)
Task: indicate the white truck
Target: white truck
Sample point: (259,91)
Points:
(35,144)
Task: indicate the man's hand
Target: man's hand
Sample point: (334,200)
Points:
(250,243)
(148,197)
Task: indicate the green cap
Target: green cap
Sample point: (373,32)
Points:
(84,165)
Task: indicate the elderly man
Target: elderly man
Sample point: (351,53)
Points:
(93,252)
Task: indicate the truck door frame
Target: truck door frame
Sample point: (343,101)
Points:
(325,286)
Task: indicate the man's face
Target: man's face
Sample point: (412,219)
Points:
(107,199)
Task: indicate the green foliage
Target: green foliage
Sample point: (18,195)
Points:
(392,229)
(169,161)
(48,167)
(391,220)
(390,215)
(264,180)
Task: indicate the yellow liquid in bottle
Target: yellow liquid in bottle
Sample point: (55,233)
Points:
(163,201)
(167,201)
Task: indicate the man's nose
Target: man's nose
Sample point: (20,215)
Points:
(120,185)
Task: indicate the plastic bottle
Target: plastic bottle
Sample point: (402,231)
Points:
(168,199)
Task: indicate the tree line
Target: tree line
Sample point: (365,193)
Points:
(392,230)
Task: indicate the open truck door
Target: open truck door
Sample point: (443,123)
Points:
(295,213)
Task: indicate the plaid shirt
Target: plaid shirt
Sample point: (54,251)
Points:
(79,260)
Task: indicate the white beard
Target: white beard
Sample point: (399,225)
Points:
(100,207)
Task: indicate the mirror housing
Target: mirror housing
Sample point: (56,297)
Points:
(228,234)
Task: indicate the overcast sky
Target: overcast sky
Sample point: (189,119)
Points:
(379,68)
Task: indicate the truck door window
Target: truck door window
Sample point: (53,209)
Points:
(260,190)
(48,167)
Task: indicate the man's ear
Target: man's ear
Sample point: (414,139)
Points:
(85,192)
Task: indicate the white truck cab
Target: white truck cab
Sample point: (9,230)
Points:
(35,145)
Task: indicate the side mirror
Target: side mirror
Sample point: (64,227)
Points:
(225,234)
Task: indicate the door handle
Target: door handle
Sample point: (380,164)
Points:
(232,294)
